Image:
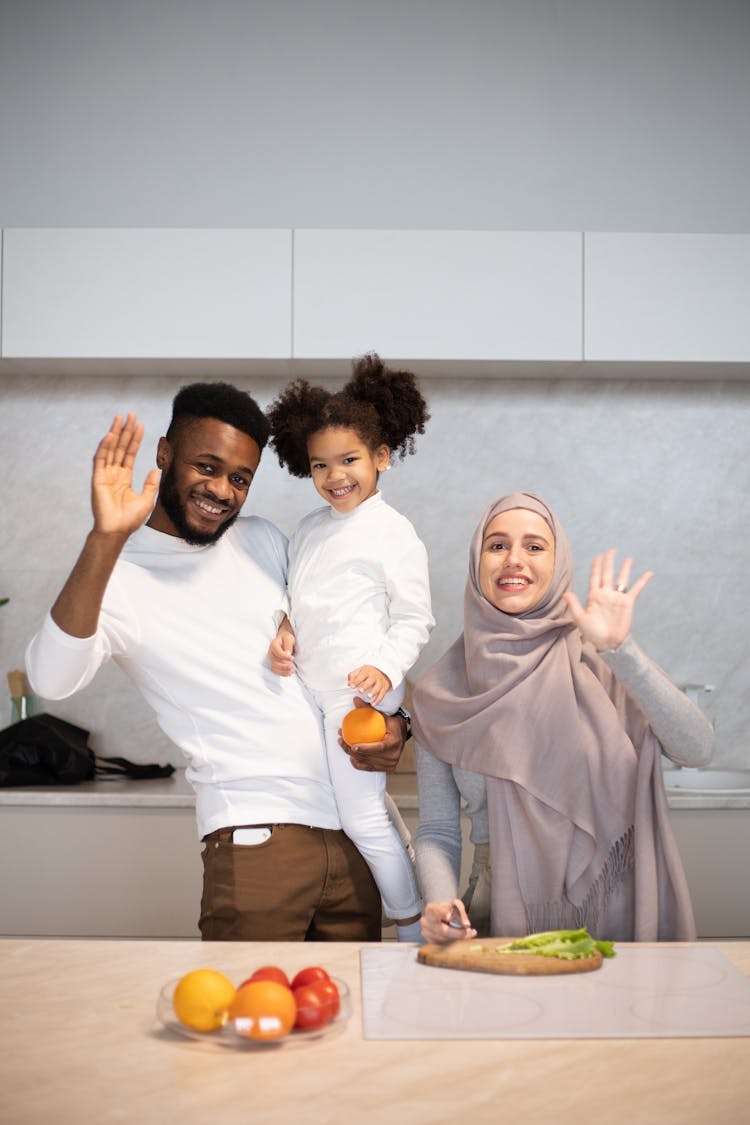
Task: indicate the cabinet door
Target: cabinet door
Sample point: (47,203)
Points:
(475,295)
(88,871)
(147,293)
(667,297)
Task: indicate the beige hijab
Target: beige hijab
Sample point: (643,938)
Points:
(573,770)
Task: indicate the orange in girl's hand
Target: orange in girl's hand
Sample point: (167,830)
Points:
(363,724)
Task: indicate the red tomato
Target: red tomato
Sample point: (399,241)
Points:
(268,972)
(313,1009)
(329,996)
(309,976)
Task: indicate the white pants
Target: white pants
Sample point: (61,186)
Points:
(361,800)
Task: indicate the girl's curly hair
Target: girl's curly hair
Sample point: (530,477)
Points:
(382,406)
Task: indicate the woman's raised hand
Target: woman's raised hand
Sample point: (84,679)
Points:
(118,509)
(606,619)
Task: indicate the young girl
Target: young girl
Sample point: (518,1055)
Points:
(359,596)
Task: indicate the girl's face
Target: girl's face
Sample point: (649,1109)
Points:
(517,561)
(344,469)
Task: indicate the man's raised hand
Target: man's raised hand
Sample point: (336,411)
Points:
(118,509)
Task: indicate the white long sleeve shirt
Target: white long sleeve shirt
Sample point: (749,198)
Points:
(191,627)
(359,593)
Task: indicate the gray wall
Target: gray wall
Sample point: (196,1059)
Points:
(659,471)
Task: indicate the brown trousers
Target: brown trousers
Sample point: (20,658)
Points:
(301,884)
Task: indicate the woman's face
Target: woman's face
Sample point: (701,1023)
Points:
(517,561)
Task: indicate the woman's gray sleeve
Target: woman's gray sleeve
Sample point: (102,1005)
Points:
(437,840)
(685,733)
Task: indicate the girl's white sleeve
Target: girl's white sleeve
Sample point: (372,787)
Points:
(410,613)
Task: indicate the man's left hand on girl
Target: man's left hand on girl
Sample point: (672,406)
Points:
(383,756)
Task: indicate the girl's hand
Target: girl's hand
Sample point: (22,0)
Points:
(436,919)
(118,509)
(281,652)
(372,684)
(608,615)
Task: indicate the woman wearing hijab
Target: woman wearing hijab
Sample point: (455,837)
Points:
(549,722)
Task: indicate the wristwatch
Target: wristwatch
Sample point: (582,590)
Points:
(407,719)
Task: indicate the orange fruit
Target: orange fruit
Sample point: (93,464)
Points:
(263,1009)
(201,999)
(363,724)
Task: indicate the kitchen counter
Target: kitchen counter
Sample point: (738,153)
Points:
(79,1041)
(176,793)
(142,876)
(112,858)
(173,792)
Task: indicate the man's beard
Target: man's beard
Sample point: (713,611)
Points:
(175,509)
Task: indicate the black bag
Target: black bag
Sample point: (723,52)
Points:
(45,750)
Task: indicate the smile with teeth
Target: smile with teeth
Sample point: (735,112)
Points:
(338,493)
(515,582)
(207,507)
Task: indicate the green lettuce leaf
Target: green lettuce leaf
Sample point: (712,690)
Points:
(569,945)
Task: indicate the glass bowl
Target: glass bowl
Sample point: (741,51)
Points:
(226,1036)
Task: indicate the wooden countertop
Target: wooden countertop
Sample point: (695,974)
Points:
(79,1041)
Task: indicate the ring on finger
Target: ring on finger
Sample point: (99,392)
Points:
(621,588)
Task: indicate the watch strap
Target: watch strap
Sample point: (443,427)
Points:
(407,719)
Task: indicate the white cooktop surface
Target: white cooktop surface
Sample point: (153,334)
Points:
(643,992)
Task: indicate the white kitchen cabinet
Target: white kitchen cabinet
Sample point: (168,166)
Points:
(667,298)
(713,843)
(445,295)
(146,293)
(99,871)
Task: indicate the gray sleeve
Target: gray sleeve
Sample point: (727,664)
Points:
(437,840)
(473,790)
(685,733)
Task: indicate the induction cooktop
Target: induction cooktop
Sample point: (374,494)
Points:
(643,992)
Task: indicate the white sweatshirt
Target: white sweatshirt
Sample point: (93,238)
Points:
(360,593)
(191,627)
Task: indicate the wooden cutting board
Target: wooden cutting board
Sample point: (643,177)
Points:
(481,957)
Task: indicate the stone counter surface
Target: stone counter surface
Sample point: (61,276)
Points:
(173,792)
(80,1042)
(176,792)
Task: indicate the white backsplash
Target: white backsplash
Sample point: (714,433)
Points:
(659,470)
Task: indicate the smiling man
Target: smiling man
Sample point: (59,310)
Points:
(204,482)
(186,598)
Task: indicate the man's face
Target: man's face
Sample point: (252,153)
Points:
(206,472)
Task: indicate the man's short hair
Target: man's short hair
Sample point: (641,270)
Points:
(224,402)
